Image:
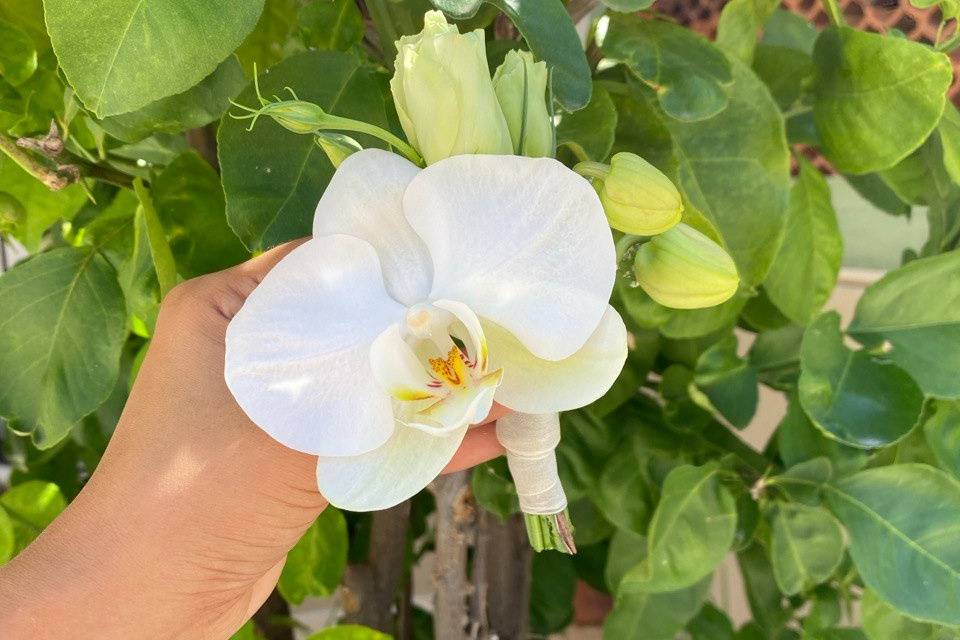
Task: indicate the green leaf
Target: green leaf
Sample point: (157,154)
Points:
(689,74)
(691,531)
(628,6)
(622,493)
(349,632)
(627,549)
(654,616)
(882,622)
(728,381)
(942,431)
(775,354)
(902,521)
(121,55)
(7,538)
(551,36)
(873,188)
(733,168)
(806,546)
(739,23)
(60,339)
(163,262)
(493,488)
(787,29)
(190,204)
(949,130)
(710,624)
(331,24)
(763,594)
(877,98)
(269,42)
(272,177)
(316,563)
(785,71)
(916,309)
(852,396)
(799,441)
(18,56)
(197,106)
(30,507)
(247,632)
(553,583)
(805,271)
(28,15)
(44,207)
(590,132)
(804,481)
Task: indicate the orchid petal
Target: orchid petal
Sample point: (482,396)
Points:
(522,241)
(390,474)
(364,199)
(469,405)
(397,368)
(298,351)
(533,385)
(478,347)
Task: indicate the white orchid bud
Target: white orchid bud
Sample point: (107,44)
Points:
(443,93)
(521,87)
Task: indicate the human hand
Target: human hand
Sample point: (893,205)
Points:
(183,529)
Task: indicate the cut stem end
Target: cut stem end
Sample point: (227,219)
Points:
(551,532)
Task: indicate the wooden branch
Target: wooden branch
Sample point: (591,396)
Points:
(456,514)
(501,574)
(370,590)
(204,140)
(54,179)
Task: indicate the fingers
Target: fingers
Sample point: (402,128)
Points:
(478,446)
(497,411)
(257,268)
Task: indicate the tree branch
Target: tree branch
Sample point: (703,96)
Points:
(501,577)
(456,515)
(370,589)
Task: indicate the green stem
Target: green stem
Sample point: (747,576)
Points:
(163,261)
(553,532)
(590,169)
(346,124)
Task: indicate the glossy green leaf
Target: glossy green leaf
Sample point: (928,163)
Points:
(775,354)
(270,40)
(160,253)
(7,539)
(710,624)
(551,36)
(873,188)
(784,70)
(654,616)
(30,507)
(877,97)
(273,178)
(349,632)
(690,75)
(121,55)
(787,29)
(331,24)
(805,271)
(27,15)
(189,201)
(60,339)
(799,441)
(728,381)
(691,531)
(739,23)
(622,493)
(590,132)
(804,481)
(554,581)
(883,622)
(916,309)
(763,595)
(942,431)
(949,131)
(43,207)
(626,550)
(860,400)
(316,563)
(197,106)
(902,522)
(18,55)
(493,488)
(806,546)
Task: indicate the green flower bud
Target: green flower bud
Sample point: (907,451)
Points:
(337,146)
(443,93)
(297,115)
(684,269)
(517,81)
(12,212)
(637,197)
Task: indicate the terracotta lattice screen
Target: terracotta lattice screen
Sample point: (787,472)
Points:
(870,15)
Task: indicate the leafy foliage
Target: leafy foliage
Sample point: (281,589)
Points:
(856,497)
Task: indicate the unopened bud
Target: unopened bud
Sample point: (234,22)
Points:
(684,269)
(298,116)
(636,196)
(521,88)
(12,212)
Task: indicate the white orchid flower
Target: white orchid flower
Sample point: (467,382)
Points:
(423,297)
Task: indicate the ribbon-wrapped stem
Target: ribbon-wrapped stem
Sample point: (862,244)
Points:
(530,441)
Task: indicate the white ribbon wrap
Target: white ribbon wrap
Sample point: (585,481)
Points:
(530,440)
